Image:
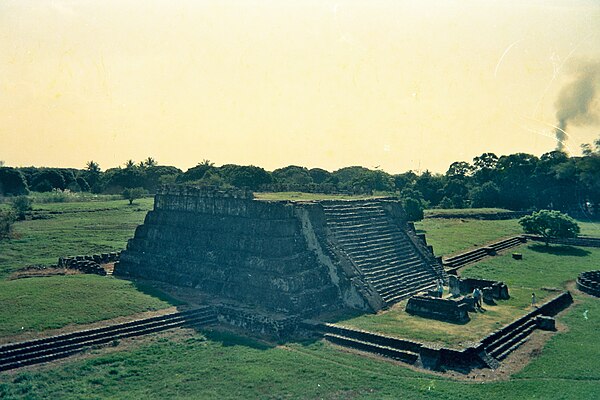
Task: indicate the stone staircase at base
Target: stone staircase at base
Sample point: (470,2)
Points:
(382,252)
(397,349)
(502,346)
(480,253)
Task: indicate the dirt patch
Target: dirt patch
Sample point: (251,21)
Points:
(41,272)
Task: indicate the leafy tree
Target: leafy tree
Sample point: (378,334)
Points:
(319,175)
(550,225)
(413,209)
(47,179)
(196,173)
(486,195)
(249,177)
(459,169)
(93,176)
(21,205)
(12,182)
(405,180)
(132,194)
(431,187)
(149,162)
(292,175)
(83,184)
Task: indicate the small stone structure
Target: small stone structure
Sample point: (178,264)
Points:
(499,290)
(451,310)
(589,282)
(88,264)
(294,258)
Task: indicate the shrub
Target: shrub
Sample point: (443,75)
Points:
(550,225)
(134,193)
(21,204)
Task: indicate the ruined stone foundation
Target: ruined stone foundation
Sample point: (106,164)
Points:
(300,258)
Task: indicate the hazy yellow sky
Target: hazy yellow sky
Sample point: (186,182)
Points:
(327,84)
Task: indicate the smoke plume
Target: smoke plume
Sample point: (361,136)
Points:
(577,102)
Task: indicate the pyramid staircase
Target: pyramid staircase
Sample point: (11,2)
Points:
(384,255)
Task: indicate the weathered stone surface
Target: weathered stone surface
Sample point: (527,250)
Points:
(276,255)
(434,307)
(488,296)
(545,323)
(454,284)
(499,289)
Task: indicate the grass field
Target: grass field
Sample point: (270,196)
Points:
(69,229)
(452,235)
(221,365)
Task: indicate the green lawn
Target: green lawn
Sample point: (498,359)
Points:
(35,304)
(454,235)
(73,229)
(448,236)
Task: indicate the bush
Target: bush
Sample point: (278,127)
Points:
(550,225)
(21,205)
(134,193)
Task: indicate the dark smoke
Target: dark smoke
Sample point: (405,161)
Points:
(576,103)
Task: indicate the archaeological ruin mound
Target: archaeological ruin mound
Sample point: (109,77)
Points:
(298,258)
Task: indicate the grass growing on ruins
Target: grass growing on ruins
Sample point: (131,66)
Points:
(396,322)
(541,267)
(35,304)
(302,196)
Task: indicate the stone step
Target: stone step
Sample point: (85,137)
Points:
(397,270)
(373,242)
(351,206)
(384,279)
(390,289)
(401,295)
(373,264)
(502,343)
(501,352)
(375,213)
(386,351)
(365,226)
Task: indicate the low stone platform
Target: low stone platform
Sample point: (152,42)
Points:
(450,310)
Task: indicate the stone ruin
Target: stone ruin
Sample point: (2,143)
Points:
(456,307)
(295,258)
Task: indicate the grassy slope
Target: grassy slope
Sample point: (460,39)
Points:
(36,304)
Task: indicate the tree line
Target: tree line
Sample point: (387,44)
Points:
(518,181)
